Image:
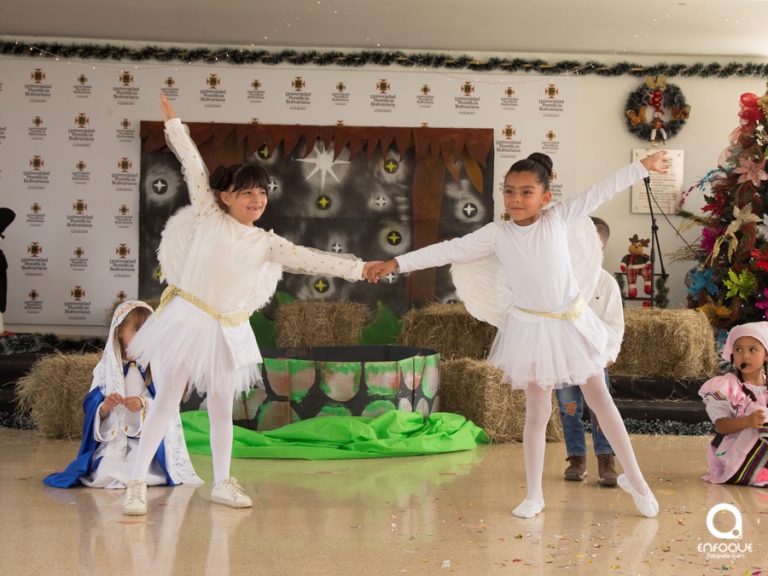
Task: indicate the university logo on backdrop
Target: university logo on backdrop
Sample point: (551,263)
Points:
(38,91)
(213,96)
(382,101)
(467,104)
(125,93)
(340,95)
(82,136)
(81,88)
(255,94)
(170,89)
(298,98)
(37,178)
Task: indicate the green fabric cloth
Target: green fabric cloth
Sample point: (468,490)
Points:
(394,433)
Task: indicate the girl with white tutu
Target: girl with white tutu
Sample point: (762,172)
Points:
(518,274)
(220,268)
(115,412)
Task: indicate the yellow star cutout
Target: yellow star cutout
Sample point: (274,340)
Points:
(321,286)
(323,201)
(390,166)
(393,237)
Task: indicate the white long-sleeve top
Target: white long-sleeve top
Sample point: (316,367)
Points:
(534,258)
(225,259)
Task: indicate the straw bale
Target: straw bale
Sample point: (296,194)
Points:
(666,343)
(474,389)
(449,329)
(318,323)
(53,392)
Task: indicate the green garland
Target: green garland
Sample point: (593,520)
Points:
(639,112)
(240,56)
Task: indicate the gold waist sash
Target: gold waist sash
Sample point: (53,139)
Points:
(572,314)
(229,320)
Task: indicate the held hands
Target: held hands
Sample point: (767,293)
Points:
(367,270)
(381,269)
(166,110)
(656,162)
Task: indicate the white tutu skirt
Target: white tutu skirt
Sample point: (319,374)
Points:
(185,342)
(549,352)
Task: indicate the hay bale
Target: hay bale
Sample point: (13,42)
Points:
(53,392)
(318,323)
(666,343)
(474,389)
(449,329)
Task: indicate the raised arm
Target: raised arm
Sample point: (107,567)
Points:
(192,166)
(603,190)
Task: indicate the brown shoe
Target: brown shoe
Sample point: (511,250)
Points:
(606,472)
(577,470)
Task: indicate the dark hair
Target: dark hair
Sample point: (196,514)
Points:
(540,165)
(237,177)
(603,230)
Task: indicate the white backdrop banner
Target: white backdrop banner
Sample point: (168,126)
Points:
(70,151)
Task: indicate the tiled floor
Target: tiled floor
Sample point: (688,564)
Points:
(448,514)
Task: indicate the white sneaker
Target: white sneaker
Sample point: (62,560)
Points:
(136,498)
(647,504)
(528,509)
(231,494)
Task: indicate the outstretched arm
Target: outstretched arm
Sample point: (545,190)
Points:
(192,166)
(606,188)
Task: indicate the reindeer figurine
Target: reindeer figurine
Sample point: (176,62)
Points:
(637,262)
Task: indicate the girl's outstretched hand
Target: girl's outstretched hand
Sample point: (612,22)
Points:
(381,269)
(656,162)
(367,269)
(166,109)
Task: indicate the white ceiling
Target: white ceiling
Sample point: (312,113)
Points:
(600,28)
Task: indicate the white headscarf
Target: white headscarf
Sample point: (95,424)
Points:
(108,374)
(757,330)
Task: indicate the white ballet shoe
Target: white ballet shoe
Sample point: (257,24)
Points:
(528,509)
(647,504)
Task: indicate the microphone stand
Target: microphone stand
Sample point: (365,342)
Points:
(655,244)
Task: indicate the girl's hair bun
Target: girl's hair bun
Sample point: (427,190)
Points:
(220,179)
(543,160)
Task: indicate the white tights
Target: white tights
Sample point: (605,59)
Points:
(538,408)
(165,406)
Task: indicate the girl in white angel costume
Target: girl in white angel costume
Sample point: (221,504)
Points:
(115,412)
(518,275)
(220,268)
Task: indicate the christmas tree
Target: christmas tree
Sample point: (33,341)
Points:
(730,282)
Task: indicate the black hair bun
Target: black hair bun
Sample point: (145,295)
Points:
(220,179)
(543,160)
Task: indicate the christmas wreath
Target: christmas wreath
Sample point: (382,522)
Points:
(657,110)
